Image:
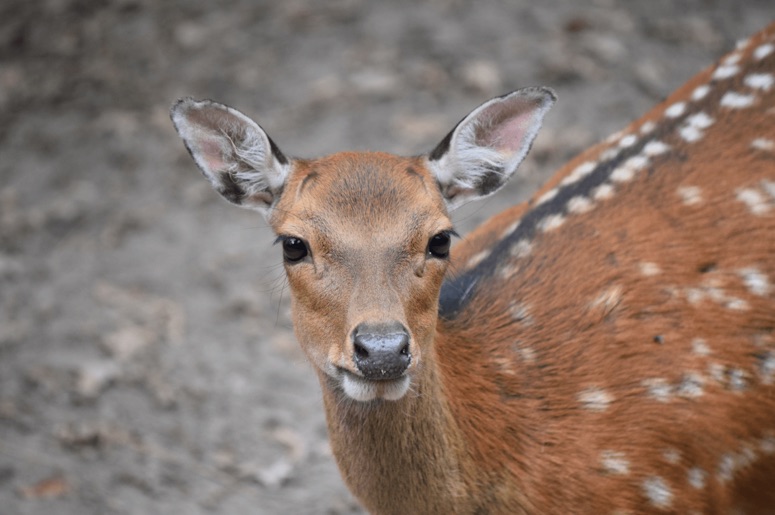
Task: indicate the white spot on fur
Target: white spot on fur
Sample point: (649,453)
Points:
(733,58)
(675,110)
(694,295)
(738,379)
(507,271)
(603,192)
(672,456)
(767,368)
(626,172)
(765,144)
(736,304)
(690,195)
(763,51)
(579,172)
(742,43)
(700,120)
(690,134)
(762,81)
(510,229)
(615,462)
(700,347)
(755,201)
(637,162)
(756,282)
(767,444)
(595,399)
(700,92)
(546,197)
(622,174)
(527,353)
(655,147)
(647,127)
(478,258)
(691,386)
(612,138)
(521,248)
(551,222)
(726,71)
(717,371)
(731,463)
(520,313)
(628,141)
(746,456)
(697,477)
(735,100)
(658,492)
(609,153)
(649,269)
(659,389)
(712,289)
(579,205)
(691,131)
(608,299)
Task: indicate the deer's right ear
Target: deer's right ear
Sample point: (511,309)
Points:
(234,153)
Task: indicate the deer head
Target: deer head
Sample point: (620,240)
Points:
(365,236)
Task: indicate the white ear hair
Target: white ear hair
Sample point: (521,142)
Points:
(484,150)
(234,153)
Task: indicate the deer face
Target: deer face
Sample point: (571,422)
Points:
(366,242)
(365,236)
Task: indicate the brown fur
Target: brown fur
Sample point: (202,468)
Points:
(524,417)
(616,301)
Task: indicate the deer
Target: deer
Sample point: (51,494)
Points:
(607,347)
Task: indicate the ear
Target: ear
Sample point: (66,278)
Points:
(487,146)
(234,153)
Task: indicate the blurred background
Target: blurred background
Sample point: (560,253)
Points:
(147,361)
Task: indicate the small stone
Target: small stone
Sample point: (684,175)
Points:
(482,76)
(95,376)
(190,35)
(49,488)
(375,82)
(128,341)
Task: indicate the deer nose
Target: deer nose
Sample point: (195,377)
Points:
(381,351)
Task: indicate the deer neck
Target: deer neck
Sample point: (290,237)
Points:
(403,456)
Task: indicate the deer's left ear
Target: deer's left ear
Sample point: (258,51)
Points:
(487,146)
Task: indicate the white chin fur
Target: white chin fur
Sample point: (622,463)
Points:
(362,390)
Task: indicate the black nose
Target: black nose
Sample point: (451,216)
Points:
(381,351)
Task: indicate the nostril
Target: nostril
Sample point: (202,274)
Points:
(360,351)
(381,351)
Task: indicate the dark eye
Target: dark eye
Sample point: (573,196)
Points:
(438,246)
(294,249)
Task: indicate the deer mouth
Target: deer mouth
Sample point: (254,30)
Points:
(361,389)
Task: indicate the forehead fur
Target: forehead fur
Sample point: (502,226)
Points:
(364,189)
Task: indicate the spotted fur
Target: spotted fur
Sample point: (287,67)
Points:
(679,243)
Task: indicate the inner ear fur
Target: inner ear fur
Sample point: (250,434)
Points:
(485,149)
(233,152)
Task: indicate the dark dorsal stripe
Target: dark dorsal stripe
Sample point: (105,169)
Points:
(458,290)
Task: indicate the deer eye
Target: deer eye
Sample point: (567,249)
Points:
(438,245)
(294,249)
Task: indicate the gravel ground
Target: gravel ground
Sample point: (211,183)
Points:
(147,362)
